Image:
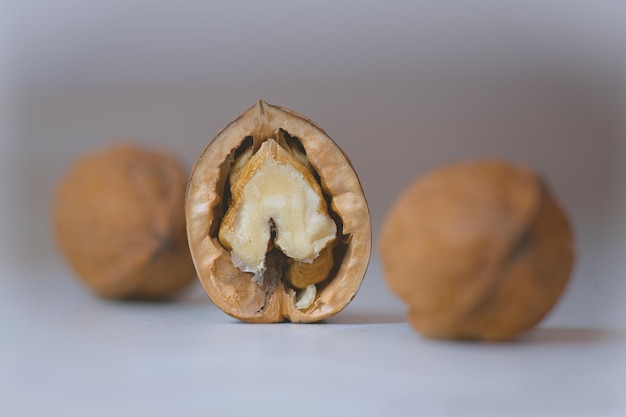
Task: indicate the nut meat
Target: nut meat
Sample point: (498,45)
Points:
(119,220)
(277,222)
(478,251)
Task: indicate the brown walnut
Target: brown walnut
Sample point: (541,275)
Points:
(119,221)
(277,222)
(478,251)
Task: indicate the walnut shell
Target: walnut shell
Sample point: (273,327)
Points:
(119,221)
(478,251)
(265,294)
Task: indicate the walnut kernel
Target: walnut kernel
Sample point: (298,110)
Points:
(277,221)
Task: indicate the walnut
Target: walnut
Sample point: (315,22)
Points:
(119,221)
(478,251)
(277,221)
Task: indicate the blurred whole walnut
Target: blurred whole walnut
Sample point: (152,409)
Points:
(119,221)
(478,251)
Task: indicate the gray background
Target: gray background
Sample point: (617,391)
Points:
(402,86)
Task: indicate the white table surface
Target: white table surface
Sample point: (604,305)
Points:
(69,353)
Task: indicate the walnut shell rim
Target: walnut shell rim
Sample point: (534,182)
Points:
(233,290)
(478,250)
